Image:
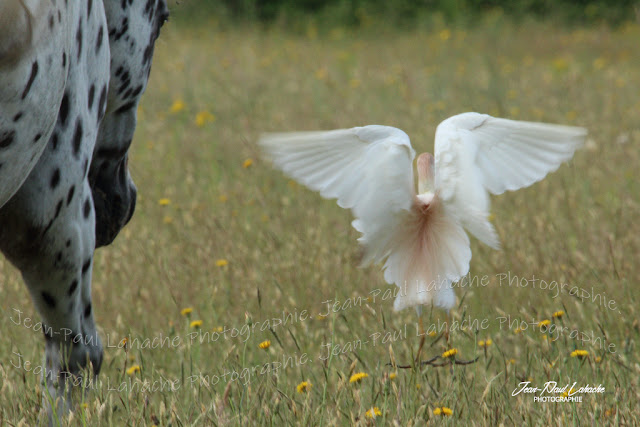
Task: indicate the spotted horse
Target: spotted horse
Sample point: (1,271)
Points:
(71,76)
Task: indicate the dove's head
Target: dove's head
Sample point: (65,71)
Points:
(426,180)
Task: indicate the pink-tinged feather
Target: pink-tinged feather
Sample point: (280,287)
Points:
(425,167)
(429,251)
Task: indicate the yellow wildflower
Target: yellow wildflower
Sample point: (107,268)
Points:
(432,334)
(265,344)
(392,376)
(204,117)
(304,386)
(85,405)
(195,324)
(560,64)
(511,361)
(221,262)
(167,219)
(598,359)
(450,353)
(247,163)
(485,343)
(373,412)
(558,314)
(569,393)
(517,330)
(579,353)
(544,323)
(444,411)
(445,34)
(186,311)
(164,201)
(132,370)
(356,378)
(177,106)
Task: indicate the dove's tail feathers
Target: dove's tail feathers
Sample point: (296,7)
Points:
(430,250)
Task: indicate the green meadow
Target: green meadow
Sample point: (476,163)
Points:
(235,297)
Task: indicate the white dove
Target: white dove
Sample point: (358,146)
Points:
(420,237)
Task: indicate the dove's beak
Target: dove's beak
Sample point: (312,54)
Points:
(425,165)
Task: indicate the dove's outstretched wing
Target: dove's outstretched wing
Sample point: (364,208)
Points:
(476,153)
(368,169)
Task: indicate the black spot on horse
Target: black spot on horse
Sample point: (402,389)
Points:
(58,209)
(54,142)
(123,29)
(137,91)
(86,265)
(79,39)
(72,287)
(32,77)
(114,154)
(126,107)
(63,113)
(92,92)
(37,137)
(7,138)
(148,8)
(17,116)
(86,209)
(48,299)
(148,53)
(72,190)
(55,179)
(99,39)
(77,137)
(102,102)
(125,81)
(87,310)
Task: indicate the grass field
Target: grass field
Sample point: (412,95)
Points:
(257,257)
